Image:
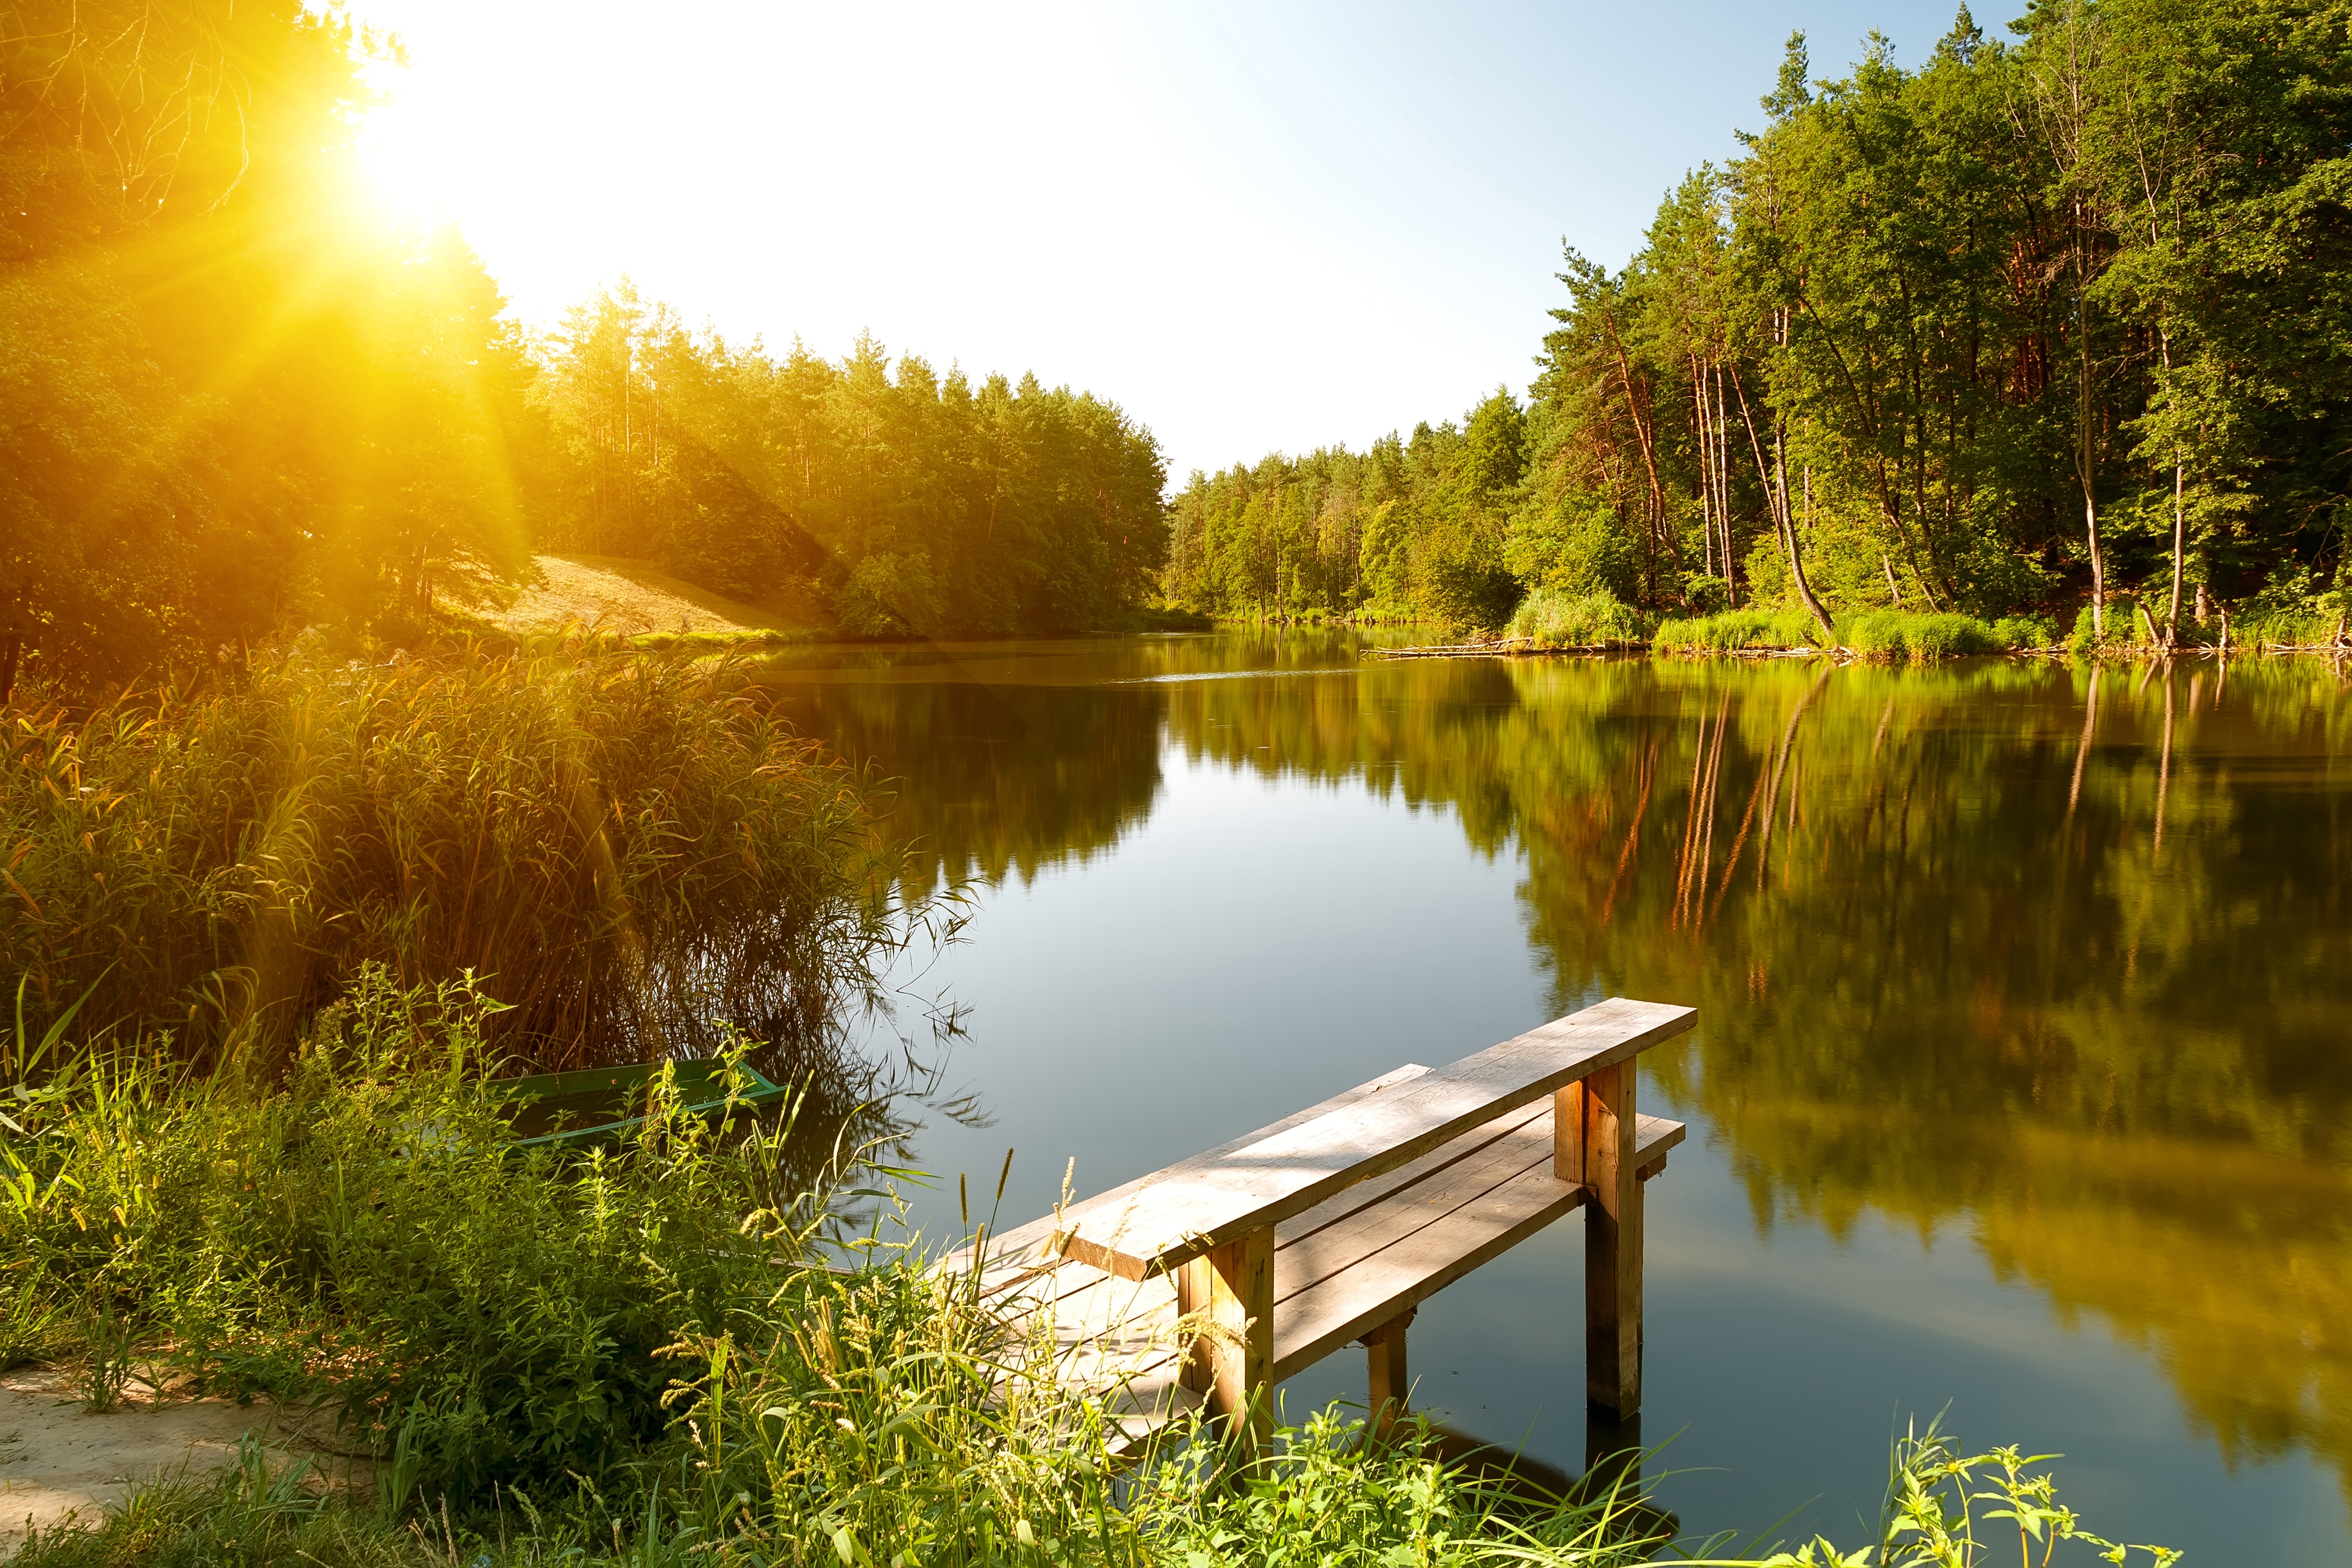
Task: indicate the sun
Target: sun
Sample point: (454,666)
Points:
(403,160)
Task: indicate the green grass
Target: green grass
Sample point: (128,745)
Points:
(1911,635)
(1902,636)
(632,847)
(1550,619)
(1732,629)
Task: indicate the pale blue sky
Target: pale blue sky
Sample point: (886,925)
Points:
(1255,226)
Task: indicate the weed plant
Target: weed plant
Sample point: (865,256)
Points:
(1550,619)
(632,845)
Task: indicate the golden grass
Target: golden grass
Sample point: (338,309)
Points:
(626,848)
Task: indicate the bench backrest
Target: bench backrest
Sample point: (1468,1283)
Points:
(1183,1210)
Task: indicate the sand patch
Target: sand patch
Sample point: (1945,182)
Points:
(57,1461)
(615,594)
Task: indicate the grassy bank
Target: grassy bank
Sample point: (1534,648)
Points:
(633,849)
(1902,636)
(647,1355)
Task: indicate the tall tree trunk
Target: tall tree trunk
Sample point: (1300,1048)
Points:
(1776,496)
(2086,447)
(2179,530)
(2179,520)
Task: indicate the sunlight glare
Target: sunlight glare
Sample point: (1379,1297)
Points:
(403,160)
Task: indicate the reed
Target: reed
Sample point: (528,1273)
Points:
(629,849)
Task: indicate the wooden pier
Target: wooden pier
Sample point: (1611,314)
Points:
(1204,1284)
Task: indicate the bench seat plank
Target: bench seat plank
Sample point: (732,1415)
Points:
(1341,1269)
(1375,1267)
(1185,1210)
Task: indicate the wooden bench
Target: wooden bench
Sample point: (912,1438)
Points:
(1208,1282)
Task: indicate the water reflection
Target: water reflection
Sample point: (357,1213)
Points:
(2059,959)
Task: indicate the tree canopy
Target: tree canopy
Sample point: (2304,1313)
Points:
(2023,329)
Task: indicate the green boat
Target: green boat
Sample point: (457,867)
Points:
(606,1105)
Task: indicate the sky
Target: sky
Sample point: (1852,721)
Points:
(1255,228)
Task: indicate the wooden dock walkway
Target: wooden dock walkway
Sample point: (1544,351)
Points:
(1207,1282)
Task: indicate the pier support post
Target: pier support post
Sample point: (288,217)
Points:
(1384,1350)
(1593,1142)
(1231,1288)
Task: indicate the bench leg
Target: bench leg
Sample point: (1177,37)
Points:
(1384,1348)
(1593,1128)
(1232,1287)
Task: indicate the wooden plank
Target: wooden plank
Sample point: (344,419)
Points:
(1026,1246)
(1334,1248)
(1379,1191)
(1189,1209)
(1371,1289)
(1322,1318)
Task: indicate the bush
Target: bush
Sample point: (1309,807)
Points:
(1550,619)
(629,846)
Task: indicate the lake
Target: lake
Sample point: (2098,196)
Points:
(2022,1081)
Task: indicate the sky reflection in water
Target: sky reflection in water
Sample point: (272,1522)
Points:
(2025,1060)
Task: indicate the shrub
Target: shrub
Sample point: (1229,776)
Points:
(629,846)
(1550,619)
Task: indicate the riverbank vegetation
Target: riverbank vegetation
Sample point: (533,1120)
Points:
(2016,331)
(648,1354)
(633,844)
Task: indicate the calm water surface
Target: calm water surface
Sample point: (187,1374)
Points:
(2023,1076)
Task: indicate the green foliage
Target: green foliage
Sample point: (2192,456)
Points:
(1419,528)
(1902,352)
(1905,635)
(364,1234)
(1550,619)
(1737,629)
(584,827)
(910,505)
(1575,545)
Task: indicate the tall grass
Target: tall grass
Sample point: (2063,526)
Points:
(1550,619)
(1898,635)
(1907,635)
(628,848)
(1733,629)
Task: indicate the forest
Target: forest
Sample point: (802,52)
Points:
(2059,327)
(234,403)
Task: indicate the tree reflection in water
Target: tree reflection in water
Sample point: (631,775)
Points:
(1970,946)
